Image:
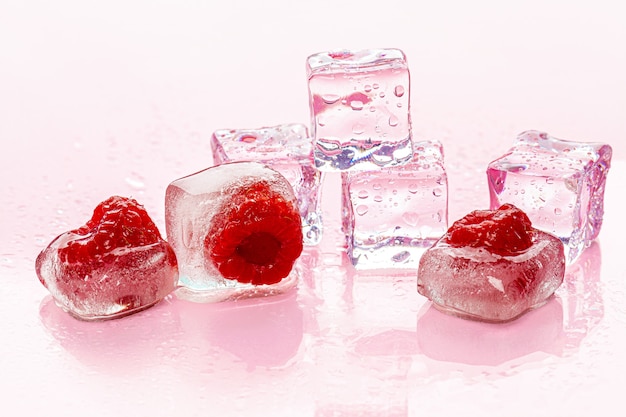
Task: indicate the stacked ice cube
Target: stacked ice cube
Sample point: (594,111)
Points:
(558,183)
(394,198)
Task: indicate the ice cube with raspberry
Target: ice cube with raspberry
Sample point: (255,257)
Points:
(492,266)
(236,231)
(114,265)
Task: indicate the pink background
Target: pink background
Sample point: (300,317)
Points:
(120,97)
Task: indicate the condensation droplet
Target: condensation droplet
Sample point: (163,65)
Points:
(367,88)
(356,105)
(248,138)
(393,121)
(437,192)
(375,86)
(413,188)
(358,129)
(135,181)
(410,218)
(401,256)
(558,211)
(361,210)
(330,98)
(378,198)
(363,194)
(549,180)
(377,186)
(398,91)
(381,94)
(437,217)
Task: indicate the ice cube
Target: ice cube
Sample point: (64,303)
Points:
(492,266)
(115,265)
(390,216)
(286,148)
(359,103)
(558,183)
(236,232)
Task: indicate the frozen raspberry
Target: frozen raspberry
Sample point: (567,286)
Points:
(257,238)
(114,265)
(492,266)
(506,231)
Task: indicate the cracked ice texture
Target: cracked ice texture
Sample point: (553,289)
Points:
(559,184)
(391,215)
(287,148)
(191,203)
(359,102)
(473,283)
(136,278)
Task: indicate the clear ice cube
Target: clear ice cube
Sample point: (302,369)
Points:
(360,114)
(471,282)
(193,205)
(558,183)
(390,216)
(286,148)
(135,280)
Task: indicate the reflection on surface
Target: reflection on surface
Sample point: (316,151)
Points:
(360,342)
(581,297)
(448,338)
(260,332)
(117,346)
(264,333)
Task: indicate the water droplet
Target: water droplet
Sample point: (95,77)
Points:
(393,121)
(437,192)
(330,98)
(248,138)
(135,181)
(361,210)
(398,91)
(378,198)
(437,217)
(410,218)
(367,88)
(549,180)
(381,94)
(399,105)
(413,188)
(358,129)
(372,108)
(356,105)
(363,194)
(377,186)
(375,86)
(401,256)
(558,211)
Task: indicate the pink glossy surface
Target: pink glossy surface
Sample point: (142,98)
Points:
(122,98)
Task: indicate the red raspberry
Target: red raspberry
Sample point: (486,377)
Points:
(117,222)
(505,231)
(117,263)
(257,237)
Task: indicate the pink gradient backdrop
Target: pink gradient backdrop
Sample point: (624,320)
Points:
(103,98)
